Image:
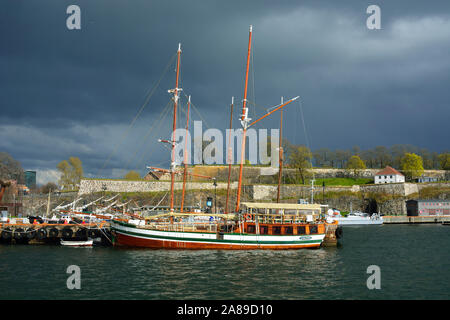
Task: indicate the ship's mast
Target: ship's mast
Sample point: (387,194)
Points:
(48,205)
(185,155)
(229,155)
(280,154)
(244,121)
(175,104)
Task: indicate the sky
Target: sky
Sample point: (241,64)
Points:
(100,93)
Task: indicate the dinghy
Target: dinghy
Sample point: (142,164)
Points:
(73,243)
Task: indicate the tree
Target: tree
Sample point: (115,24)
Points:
(71,173)
(356,150)
(300,158)
(369,157)
(332,159)
(49,187)
(444,161)
(356,164)
(321,157)
(342,156)
(10,169)
(426,158)
(435,160)
(287,149)
(382,156)
(412,165)
(132,175)
(397,152)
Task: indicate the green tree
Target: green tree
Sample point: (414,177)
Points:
(355,163)
(444,161)
(132,175)
(287,149)
(300,158)
(412,165)
(71,173)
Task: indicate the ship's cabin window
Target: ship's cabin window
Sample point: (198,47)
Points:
(312,229)
(276,230)
(288,230)
(263,229)
(301,230)
(251,228)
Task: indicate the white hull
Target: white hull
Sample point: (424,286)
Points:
(343,221)
(87,243)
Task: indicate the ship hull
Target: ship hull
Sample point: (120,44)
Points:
(131,236)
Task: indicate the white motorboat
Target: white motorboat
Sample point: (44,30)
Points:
(355,218)
(73,243)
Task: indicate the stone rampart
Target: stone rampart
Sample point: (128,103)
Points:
(90,186)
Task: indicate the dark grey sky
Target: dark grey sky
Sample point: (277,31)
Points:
(74,93)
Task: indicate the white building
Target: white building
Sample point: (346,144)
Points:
(389,175)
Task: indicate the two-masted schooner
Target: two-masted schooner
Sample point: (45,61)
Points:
(250,226)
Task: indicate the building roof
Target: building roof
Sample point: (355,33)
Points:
(388,171)
(154,175)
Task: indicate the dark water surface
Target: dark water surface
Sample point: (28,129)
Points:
(414,262)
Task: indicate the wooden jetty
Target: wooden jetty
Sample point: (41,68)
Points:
(333,234)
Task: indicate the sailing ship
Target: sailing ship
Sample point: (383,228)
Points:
(250,226)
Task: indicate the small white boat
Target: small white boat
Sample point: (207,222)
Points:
(86,243)
(355,218)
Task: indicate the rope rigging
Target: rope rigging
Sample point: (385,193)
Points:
(155,125)
(125,134)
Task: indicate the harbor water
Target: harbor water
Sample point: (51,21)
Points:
(414,262)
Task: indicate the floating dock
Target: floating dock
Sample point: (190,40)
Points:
(416,219)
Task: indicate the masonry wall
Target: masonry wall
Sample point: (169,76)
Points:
(89,186)
(254,174)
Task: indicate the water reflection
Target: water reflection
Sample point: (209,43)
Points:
(414,264)
(257,274)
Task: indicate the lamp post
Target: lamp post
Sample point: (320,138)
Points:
(215,195)
(323,191)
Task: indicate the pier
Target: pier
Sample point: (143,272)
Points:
(332,236)
(416,219)
(21,233)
